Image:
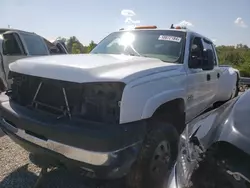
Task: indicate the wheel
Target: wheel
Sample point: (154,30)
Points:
(156,158)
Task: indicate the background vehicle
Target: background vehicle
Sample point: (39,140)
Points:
(119,110)
(214,149)
(16,44)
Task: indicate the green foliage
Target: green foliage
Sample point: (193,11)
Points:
(91,46)
(237,56)
(74,46)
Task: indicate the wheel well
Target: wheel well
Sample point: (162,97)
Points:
(238,78)
(172,112)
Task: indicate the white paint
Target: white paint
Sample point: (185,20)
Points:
(90,67)
(149,81)
(169,38)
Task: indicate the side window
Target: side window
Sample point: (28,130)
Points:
(196,51)
(35,44)
(209,45)
(11,45)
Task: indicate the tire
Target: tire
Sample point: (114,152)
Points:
(156,158)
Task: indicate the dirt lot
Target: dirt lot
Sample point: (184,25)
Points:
(16,171)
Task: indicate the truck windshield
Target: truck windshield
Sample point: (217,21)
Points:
(166,45)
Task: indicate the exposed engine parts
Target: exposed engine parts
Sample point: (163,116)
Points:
(97,102)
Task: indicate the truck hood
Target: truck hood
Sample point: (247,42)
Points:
(91,67)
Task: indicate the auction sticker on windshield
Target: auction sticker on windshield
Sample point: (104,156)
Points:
(169,38)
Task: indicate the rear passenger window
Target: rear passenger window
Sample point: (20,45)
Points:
(35,44)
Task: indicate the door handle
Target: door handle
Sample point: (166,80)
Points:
(208,77)
(218,75)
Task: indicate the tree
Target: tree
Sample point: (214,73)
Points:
(70,43)
(91,46)
(64,40)
(75,48)
(237,56)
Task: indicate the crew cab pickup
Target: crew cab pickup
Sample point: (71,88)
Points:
(17,44)
(118,111)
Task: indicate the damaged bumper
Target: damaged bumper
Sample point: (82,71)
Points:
(104,150)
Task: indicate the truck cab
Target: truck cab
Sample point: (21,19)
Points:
(16,44)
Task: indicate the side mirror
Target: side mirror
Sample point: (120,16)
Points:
(194,60)
(208,62)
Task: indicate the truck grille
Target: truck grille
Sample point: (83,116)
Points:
(90,101)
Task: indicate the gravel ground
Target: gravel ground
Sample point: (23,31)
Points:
(16,171)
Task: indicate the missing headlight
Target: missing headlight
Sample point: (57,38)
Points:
(98,102)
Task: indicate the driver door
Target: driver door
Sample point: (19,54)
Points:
(198,87)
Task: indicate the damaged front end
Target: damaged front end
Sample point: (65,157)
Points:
(98,102)
(190,154)
(220,166)
(214,149)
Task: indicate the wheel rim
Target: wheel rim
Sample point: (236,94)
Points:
(160,160)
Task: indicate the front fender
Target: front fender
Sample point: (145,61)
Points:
(157,100)
(141,99)
(236,129)
(231,125)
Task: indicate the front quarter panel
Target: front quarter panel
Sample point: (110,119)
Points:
(142,97)
(229,123)
(236,129)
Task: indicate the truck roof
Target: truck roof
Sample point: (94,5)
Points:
(3,30)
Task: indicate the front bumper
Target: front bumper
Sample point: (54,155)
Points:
(112,161)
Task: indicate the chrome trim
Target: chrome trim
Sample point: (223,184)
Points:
(172,181)
(90,157)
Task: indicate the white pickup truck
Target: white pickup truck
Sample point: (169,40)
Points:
(118,111)
(17,44)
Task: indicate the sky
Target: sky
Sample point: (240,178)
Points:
(227,22)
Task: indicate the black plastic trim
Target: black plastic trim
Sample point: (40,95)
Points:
(78,133)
